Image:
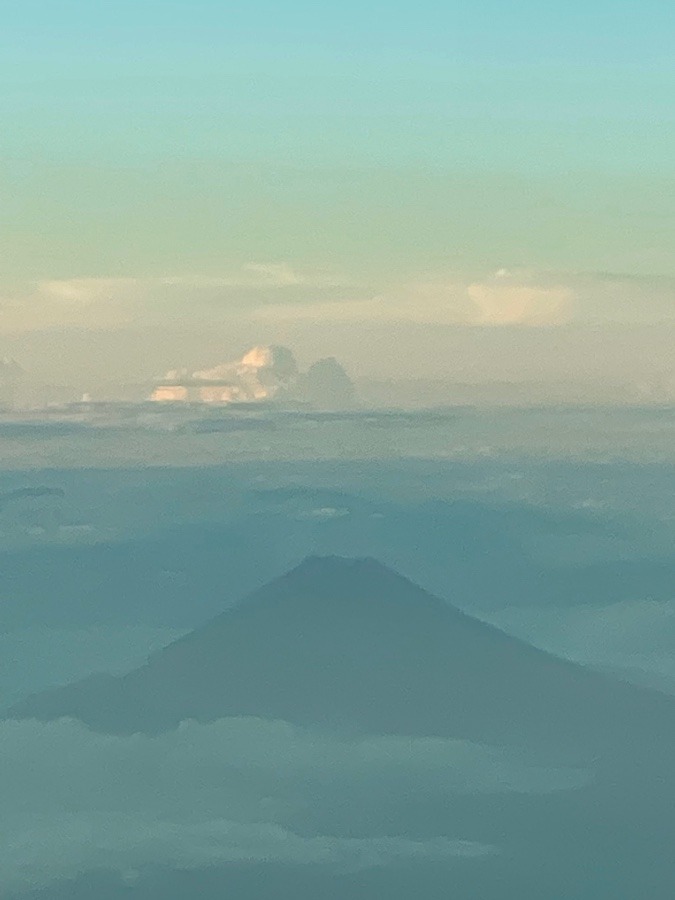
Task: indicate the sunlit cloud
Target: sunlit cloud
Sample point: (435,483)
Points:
(521,304)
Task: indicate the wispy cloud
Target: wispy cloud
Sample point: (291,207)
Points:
(504,298)
(280,293)
(105,303)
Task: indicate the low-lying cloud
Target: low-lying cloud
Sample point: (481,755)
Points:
(238,789)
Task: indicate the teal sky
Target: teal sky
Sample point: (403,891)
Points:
(527,87)
(401,144)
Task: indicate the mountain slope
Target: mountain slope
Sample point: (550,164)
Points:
(350,644)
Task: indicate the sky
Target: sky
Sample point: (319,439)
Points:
(478,192)
(183,174)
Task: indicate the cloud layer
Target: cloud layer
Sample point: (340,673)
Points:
(109,303)
(239,789)
(280,292)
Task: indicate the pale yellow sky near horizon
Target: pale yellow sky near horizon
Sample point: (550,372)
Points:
(504,325)
(455,189)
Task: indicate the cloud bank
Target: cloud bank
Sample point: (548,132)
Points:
(281,292)
(239,789)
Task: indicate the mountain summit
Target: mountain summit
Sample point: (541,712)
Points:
(350,644)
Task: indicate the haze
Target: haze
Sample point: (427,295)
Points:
(337,450)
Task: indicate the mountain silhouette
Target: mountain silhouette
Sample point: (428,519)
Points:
(349,644)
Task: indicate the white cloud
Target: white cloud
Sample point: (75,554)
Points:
(324,513)
(278,274)
(508,297)
(520,304)
(131,842)
(84,291)
(74,801)
(505,299)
